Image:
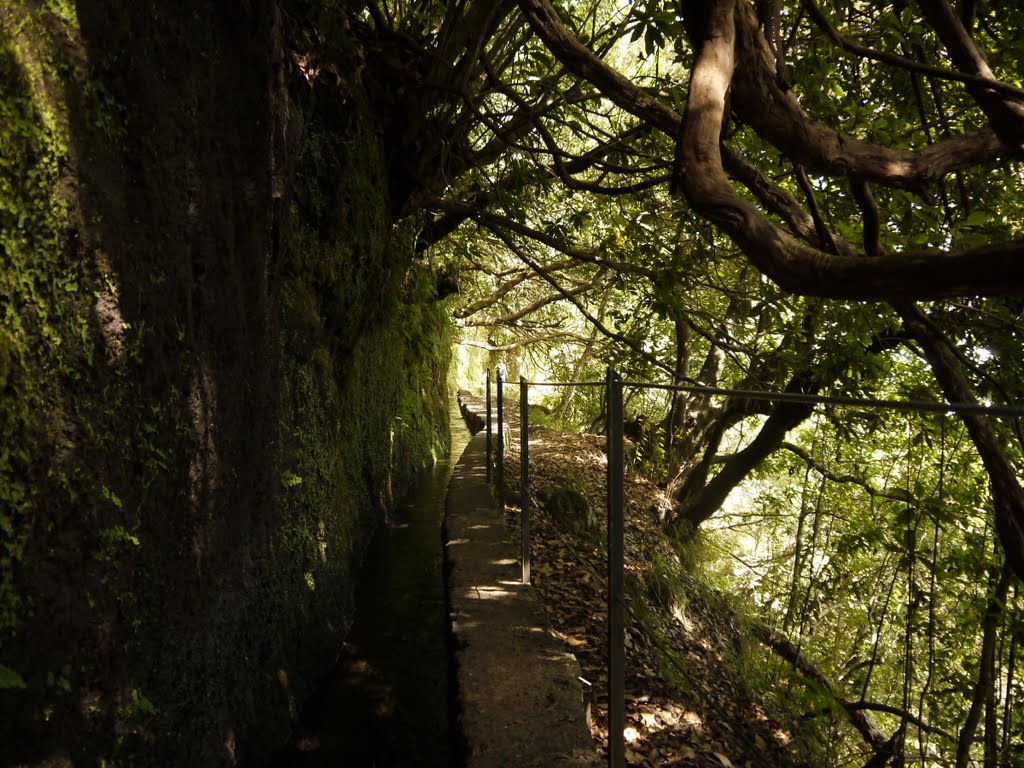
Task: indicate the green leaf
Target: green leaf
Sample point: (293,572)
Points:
(120,533)
(977,218)
(10,679)
(112,497)
(143,705)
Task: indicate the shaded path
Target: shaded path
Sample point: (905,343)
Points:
(521,702)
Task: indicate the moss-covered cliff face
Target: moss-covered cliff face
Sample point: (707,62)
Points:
(219,365)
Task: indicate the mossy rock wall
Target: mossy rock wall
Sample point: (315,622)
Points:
(219,365)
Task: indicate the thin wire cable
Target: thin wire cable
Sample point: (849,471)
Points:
(564,383)
(927,406)
(798,397)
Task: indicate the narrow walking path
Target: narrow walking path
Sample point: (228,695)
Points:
(516,693)
(520,698)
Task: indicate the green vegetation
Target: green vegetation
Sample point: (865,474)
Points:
(783,237)
(212,388)
(39,321)
(228,233)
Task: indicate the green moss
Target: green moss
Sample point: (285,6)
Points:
(365,356)
(36,324)
(120,488)
(84,450)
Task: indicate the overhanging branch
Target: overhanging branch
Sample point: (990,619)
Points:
(525,258)
(794,265)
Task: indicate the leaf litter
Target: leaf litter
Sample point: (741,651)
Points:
(686,702)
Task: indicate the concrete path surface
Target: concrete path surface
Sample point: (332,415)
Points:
(520,699)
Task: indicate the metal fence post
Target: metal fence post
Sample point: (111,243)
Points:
(616,606)
(488,460)
(524,475)
(500,459)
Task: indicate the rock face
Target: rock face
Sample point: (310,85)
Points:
(217,370)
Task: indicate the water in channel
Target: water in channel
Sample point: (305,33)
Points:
(386,703)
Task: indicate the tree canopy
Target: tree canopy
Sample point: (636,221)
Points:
(809,196)
(843,177)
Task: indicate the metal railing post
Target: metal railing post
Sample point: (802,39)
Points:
(616,606)
(524,475)
(500,459)
(488,460)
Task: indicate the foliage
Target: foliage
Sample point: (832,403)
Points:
(857,569)
(575,252)
(34,287)
(600,203)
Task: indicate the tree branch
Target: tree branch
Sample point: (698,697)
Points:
(1007,495)
(869,211)
(825,240)
(917,722)
(785,648)
(517,344)
(1005,114)
(912,65)
(777,116)
(780,202)
(809,460)
(543,301)
(493,221)
(505,288)
(583,310)
(796,267)
(784,417)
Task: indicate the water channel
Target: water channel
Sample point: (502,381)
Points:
(386,703)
